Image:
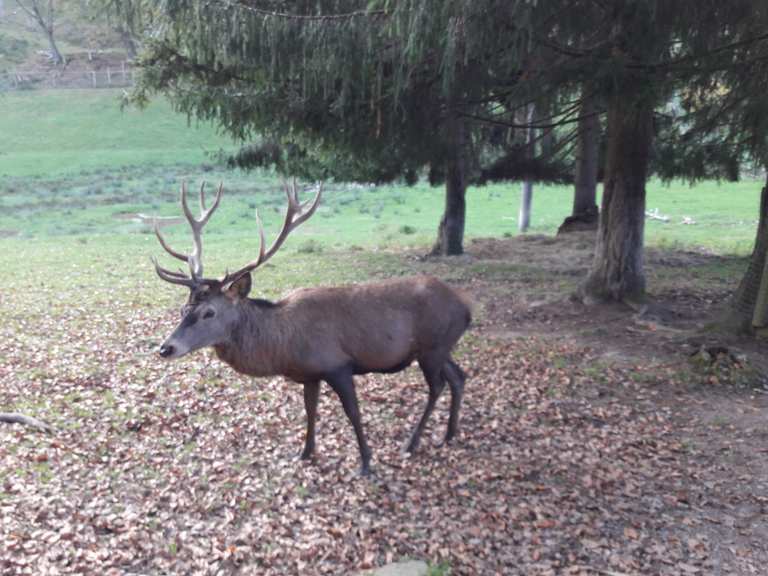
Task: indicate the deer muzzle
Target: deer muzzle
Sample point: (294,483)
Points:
(166,351)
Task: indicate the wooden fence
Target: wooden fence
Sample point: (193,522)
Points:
(122,74)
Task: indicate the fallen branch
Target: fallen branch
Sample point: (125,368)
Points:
(654,215)
(16,418)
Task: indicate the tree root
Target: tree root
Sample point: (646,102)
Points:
(16,418)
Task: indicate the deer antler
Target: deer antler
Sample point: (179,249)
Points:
(194,259)
(296,214)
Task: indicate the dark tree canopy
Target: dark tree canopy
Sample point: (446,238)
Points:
(383,89)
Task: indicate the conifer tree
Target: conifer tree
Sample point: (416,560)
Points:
(358,90)
(381,89)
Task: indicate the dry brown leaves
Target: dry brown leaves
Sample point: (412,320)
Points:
(186,468)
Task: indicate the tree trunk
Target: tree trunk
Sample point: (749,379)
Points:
(617,269)
(524,217)
(58,57)
(450,234)
(585,189)
(526,199)
(129,42)
(46,25)
(748,304)
(547,140)
(585,213)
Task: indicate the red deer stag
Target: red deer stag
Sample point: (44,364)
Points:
(316,334)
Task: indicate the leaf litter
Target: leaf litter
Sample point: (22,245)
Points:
(187,468)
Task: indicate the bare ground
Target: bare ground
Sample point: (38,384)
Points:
(595,440)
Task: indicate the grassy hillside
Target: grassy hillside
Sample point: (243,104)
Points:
(66,131)
(79,27)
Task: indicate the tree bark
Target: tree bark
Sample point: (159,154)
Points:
(450,234)
(58,57)
(526,198)
(585,189)
(750,311)
(585,214)
(617,269)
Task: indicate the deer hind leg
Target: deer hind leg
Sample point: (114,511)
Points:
(456,378)
(432,370)
(344,386)
(311,397)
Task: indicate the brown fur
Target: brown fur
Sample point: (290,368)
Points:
(374,327)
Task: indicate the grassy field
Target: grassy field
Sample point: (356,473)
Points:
(64,132)
(74,164)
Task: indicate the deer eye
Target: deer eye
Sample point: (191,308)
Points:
(209,314)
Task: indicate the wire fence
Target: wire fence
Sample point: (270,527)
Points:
(121,75)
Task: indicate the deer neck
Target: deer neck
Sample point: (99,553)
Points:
(260,345)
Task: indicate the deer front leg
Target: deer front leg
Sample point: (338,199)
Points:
(344,386)
(311,397)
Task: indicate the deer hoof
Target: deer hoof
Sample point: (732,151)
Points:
(307,454)
(411,447)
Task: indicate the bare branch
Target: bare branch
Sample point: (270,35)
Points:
(16,418)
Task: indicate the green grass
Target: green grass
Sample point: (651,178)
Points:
(103,202)
(51,132)
(74,164)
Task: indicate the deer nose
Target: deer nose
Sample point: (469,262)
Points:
(166,350)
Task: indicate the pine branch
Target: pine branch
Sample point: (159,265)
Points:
(674,64)
(226,4)
(566,121)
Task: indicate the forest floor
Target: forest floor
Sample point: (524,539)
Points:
(670,359)
(594,440)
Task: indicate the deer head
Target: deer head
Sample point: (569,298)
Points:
(211,315)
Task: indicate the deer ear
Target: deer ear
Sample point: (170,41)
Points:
(239,288)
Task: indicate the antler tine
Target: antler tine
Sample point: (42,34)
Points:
(173,277)
(262,239)
(289,224)
(294,216)
(165,245)
(195,259)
